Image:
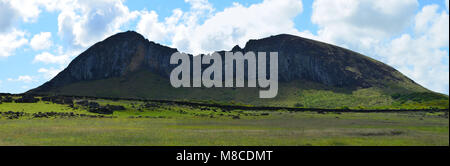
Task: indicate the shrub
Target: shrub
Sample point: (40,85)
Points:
(298,105)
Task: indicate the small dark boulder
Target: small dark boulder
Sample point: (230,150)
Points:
(68,100)
(7,99)
(84,103)
(27,99)
(151,105)
(46,98)
(101,110)
(108,109)
(115,107)
(58,99)
(12,115)
(93,105)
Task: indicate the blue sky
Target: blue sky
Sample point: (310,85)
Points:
(39,39)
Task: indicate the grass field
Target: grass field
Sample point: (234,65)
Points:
(168,124)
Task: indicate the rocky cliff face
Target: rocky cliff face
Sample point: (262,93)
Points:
(116,56)
(299,59)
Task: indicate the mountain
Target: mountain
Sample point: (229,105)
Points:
(311,74)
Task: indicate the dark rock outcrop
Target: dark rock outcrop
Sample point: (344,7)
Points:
(84,103)
(116,56)
(108,109)
(300,58)
(115,107)
(93,105)
(97,108)
(58,99)
(27,99)
(7,99)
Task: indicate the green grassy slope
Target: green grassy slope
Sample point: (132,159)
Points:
(292,94)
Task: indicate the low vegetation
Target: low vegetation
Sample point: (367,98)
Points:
(78,121)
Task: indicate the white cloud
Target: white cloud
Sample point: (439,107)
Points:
(9,42)
(49,73)
(86,22)
(27,9)
(361,23)
(24,78)
(62,60)
(238,24)
(152,28)
(178,22)
(373,27)
(48,58)
(221,30)
(7,16)
(41,41)
(423,57)
(446,4)
(200,5)
(14,10)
